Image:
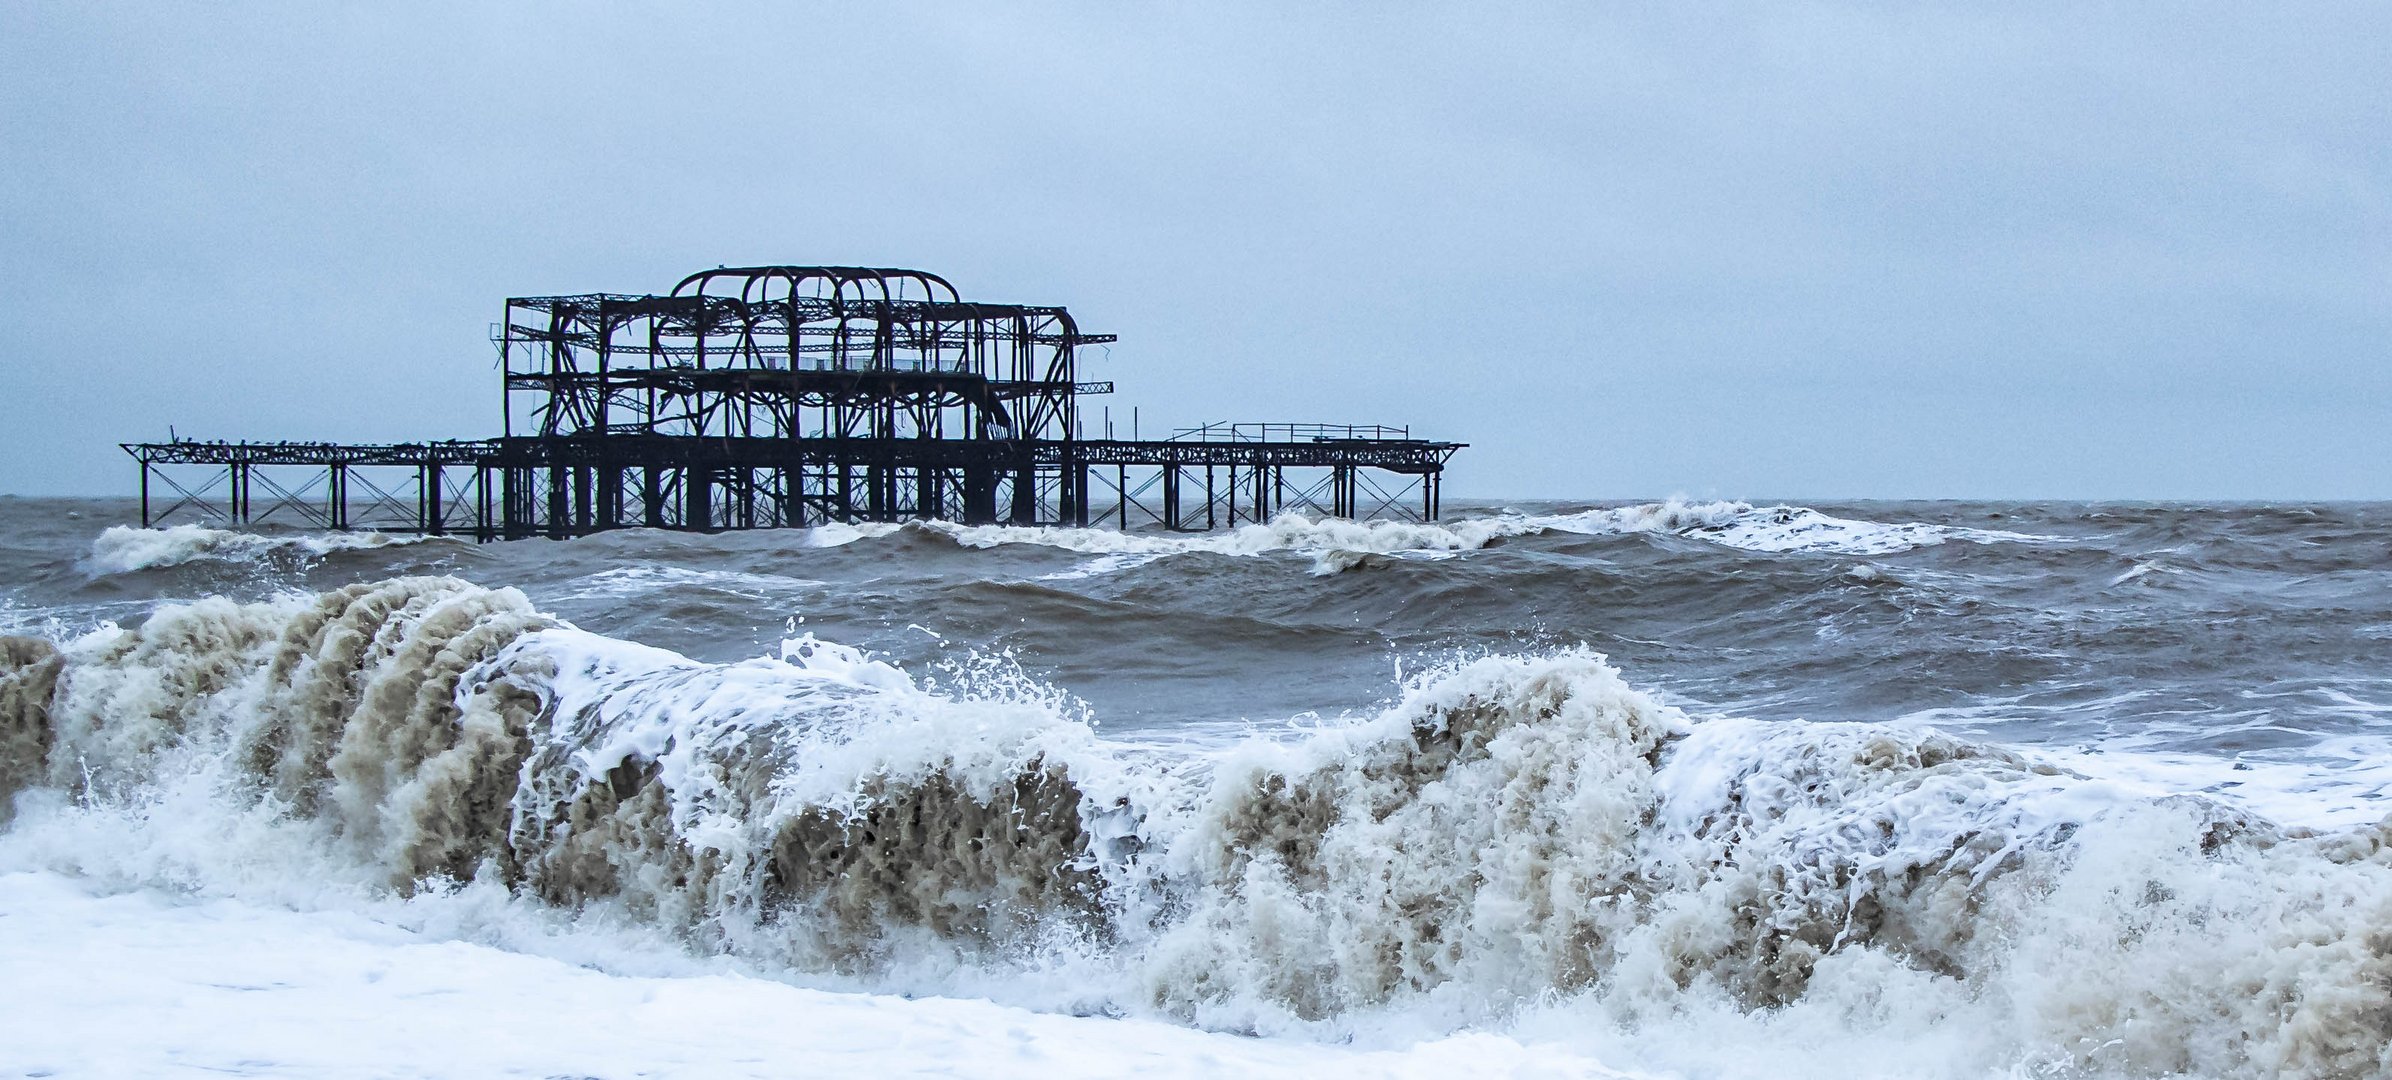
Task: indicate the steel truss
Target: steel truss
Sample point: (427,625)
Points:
(779,396)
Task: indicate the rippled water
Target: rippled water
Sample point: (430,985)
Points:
(2234,634)
(1643,766)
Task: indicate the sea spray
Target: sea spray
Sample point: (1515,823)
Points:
(1481,834)
(28,677)
(123,549)
(1339,542)
(801,805)
(1517,835)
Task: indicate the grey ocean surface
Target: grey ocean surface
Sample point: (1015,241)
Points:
(2250,634)
(1965,789)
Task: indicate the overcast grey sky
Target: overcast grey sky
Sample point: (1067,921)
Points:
(2014,250)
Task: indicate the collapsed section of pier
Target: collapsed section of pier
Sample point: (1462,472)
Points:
(786,396)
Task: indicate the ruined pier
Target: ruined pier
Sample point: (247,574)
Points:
(785,396)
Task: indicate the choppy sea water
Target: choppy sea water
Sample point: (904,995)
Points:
(1958,789)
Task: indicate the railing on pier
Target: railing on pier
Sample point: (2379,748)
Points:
(1225,431)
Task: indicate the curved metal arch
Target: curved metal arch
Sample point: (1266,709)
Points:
(863,280)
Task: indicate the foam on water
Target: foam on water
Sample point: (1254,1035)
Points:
(1519,842)
(617,582)
(122,549)
(2293,778)
(1336,544)
(242,989)
(1339,544)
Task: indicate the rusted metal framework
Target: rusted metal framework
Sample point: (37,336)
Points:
(784,395)
(437,488)
(772,396)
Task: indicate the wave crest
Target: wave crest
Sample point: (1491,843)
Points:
(1517,832)
(1340,545)
(123,549)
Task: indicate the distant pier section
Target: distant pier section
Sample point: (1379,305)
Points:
(791,396)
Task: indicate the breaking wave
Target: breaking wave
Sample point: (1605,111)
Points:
(1339,544)
(123,549)
(1336,544)
(1516,837)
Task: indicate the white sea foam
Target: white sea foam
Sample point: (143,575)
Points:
(1338,544)
(616,582)
(2152,569)
(122,549)
(841,534)
(144,984)
(2292,778)
(1522,845)
(2336,783)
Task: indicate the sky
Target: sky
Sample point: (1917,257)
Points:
(2083,251)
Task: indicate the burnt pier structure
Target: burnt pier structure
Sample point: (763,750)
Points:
(786,396)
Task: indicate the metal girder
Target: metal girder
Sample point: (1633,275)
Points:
(792,395)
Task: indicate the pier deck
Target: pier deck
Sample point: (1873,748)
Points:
(769,397)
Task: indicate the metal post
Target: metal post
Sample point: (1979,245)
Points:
(560,491)
(433,517)
(1079,489)
(697,497)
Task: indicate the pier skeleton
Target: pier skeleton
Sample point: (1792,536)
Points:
(779,396)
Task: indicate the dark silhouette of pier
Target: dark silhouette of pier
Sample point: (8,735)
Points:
(784,396)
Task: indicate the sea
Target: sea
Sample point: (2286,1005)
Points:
(1651,789)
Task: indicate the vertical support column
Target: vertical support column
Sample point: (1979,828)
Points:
(1121,487)
(697,498)
(652,496)
(516,512)
(1171,497)
(145,471)
(1078,478)
(1025,493)
(979,494)
(585,512)
(484,529)
(336,495)
(1262,494)
(610,494)
(240,499)
(1209,499)
(429,484)
(560,494)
